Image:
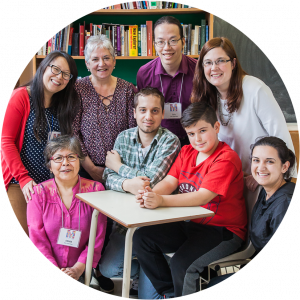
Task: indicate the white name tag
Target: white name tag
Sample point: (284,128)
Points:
(53,134)
(69,237)
(173,110)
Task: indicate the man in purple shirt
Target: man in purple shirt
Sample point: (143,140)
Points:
(172,73)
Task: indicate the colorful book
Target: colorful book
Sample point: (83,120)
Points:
(81,40)
(133,45)
(149,37)
(139,42)
(203,29)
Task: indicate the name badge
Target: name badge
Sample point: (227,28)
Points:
(173,111)
(53,134)
(69,237)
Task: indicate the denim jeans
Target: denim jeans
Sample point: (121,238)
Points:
(112,260)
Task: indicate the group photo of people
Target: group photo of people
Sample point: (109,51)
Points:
(192,132)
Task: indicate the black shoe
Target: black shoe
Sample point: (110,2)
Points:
(133,293)
(106,284)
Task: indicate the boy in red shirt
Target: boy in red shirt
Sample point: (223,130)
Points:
(208,173)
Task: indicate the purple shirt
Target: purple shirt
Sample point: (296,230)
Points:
(44,218)
(150,74)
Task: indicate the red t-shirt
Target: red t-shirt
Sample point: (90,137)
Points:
(220,173)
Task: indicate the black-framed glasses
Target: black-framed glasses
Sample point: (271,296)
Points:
(56,71)
(60,158)
(218,62)
(161,44)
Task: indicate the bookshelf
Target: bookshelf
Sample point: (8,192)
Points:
(123,16)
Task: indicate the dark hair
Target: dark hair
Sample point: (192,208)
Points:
(284,153)
(64,103)
(205,91)
(60,143)
(196,112)
(169,20)
(149,91)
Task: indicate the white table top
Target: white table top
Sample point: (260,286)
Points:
(122,208)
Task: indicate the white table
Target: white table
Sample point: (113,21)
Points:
(122,208)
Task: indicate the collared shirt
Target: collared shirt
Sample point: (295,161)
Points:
(163,151)
(44,218)
(150,74)
(164,148)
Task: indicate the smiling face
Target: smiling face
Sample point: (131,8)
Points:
(101,63)
(169,55)
(266,166)
(148,114)
(66,171)
(204,137)
(219,75)
(55,83)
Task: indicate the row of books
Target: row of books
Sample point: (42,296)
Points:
(127,40)
(147,5)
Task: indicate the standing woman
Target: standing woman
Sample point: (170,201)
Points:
(106,106)
(245,106)
(43,109)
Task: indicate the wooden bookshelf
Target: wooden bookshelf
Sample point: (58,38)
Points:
(122,15)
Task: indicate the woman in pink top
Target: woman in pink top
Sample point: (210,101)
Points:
(56,217)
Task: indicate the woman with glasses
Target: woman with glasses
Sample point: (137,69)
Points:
(36,113)
(58,222)
(245,106)
(106,106)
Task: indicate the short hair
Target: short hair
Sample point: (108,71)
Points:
(95,42)
(285,154)
(60,143)
(196,112)
(169,20)
(149,91)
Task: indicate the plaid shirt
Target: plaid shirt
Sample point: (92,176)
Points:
(164,148)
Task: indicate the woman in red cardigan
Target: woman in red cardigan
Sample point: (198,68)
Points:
(36,113)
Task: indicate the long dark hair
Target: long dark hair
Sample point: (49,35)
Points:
(205,91)
(65,102)
(285,154)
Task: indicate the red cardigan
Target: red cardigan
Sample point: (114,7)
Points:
(14,123)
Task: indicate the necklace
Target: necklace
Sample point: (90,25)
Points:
(221,114)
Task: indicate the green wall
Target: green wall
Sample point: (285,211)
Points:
(127,69)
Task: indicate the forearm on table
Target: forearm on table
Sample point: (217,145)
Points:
(200,197)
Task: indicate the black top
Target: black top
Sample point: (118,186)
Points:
(32,153)
(267,215)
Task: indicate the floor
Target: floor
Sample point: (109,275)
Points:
(118,282)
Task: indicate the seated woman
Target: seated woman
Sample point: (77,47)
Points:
(271,166)
(55,213)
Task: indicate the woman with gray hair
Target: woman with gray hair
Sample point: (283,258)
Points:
(106,106)
(106,110)
(58,222)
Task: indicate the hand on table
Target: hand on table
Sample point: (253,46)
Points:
(135,184)
(27,190)
(148,199)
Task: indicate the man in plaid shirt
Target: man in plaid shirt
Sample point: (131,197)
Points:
(142,156)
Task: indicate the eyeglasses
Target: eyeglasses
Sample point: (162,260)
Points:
(60,158)
(218,62)
(161,44)
(56,71)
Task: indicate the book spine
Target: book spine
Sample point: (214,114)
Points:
(49,46)
(134,5)
(185,37)
(75,44)
(206,34)
(199,40)
(149,38)
(122,40)
(192,42)
(115,37)
(133,40)
(203,29)
(189,39)
(118,41)
(139,42)
(81,41)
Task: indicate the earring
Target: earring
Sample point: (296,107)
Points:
(114,67)
(50,171)
(89,70)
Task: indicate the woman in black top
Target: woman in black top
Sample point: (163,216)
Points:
(271,166)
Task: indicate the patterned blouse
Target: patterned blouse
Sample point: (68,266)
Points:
(96,128)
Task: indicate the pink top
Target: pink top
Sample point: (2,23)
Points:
(44,218)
